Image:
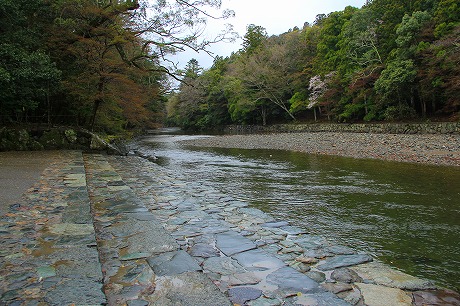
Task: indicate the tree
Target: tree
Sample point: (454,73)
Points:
(329,50)
(265,75)
(254,38)
(27,74)
(361,39)
(192,70)
(396,82)
(105,40)
(318,87)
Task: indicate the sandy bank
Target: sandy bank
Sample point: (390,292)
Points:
(426,149)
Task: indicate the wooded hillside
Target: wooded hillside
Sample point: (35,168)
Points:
(389,60)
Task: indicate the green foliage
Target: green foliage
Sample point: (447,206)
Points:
(298,102)
(99,64)
(352,112)
(390,60)
(399,112)
(395,79)
(446,16)
(254,38)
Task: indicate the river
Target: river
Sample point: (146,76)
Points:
(407,215)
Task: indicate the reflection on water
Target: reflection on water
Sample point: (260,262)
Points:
(405,214)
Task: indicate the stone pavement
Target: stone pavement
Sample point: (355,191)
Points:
(48,249)
(99,229)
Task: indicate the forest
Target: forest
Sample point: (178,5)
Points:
(98,64)
(105,65)
(387,61)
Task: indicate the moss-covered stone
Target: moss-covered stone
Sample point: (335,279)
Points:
(53,139)
(34,145)
(14,140)
(71,136)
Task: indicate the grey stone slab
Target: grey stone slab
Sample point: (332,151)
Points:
(275,224)
(71,291)
(173,263)
(310,241)
(346,275)
(215,229)
(241,295)
(257,213)
(142,216)
(258,259)
(144,237)
(223,266)
(191,289)
(382,274)
(320,299)
(341,250)
(344,261)
(203,250)
(231,243)
(290,280)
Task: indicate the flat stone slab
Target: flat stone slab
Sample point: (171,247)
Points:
(321,298)
(375,295)
(71,291)
(191,289)
(257,214)
(223,266)
(72,229)
(310,241)
(382,274)
(141,216)
(257,259)
(275,224)
(346,275)
(344,261)
(203,250)
(173,263)
(290,280)
(231,243)
(144,237)
(241,295)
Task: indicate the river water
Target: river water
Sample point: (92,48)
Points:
(407,215)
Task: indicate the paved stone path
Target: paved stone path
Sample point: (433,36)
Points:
(48,249)
(124,231)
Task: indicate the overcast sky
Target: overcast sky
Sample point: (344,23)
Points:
(274,15)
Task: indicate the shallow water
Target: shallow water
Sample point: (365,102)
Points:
(407,215)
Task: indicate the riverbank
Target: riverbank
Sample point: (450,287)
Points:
(97,229)
(436,149)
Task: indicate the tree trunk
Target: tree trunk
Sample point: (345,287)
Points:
(365,105)
(98,101)
(423,105)
(48,106)
(264,116)
(96,105)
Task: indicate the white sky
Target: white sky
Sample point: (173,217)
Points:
(275,16)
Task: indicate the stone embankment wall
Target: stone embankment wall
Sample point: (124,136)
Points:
(380,128)
(18,139)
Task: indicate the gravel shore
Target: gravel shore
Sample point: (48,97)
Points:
(438,149)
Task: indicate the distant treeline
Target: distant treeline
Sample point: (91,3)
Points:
(390,60)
